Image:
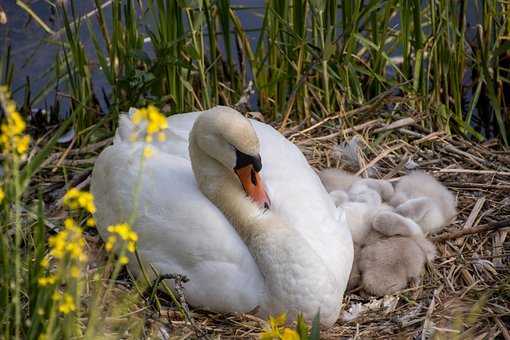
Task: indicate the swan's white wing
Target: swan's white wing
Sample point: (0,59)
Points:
(183,232)
(298,195)
(293,187)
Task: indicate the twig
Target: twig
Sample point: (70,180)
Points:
(34,16)
(428,324)
(395,125)
(474,213)
(479,229)
(359,127)
(477,186)
(313,127)
(179,279)
(378,158)
(64,155)
(478,172)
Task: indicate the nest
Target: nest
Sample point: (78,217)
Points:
(464,293)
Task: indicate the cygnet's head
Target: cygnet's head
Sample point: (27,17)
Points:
(229,138)
(387,265)
(420,184)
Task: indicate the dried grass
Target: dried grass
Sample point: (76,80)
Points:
(465,292)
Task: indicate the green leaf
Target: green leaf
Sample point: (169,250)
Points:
(315,333)
(302,328)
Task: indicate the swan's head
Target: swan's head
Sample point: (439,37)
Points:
(229,138)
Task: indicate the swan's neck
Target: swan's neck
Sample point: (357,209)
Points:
(296,278)
(221,186)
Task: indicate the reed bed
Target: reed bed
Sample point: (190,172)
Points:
(308,60)
(406,84)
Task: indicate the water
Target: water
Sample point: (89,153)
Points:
(34,51)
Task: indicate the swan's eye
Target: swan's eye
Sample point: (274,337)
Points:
(243,160)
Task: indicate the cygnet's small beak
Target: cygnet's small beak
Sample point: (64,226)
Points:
(253,185)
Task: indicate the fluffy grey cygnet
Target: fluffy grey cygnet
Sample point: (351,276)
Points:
(393,252)
(340,180)
(389,264)
(390,248)
(422,198)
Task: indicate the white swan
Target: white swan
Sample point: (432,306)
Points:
(194,218)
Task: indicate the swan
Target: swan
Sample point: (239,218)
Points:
(234,206)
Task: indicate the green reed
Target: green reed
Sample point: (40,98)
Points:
(311,58)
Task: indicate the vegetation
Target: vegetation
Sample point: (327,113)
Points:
(44,281)
(310,60)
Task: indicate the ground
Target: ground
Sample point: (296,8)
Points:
(464,293)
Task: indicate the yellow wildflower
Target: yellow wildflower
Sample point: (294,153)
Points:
(110,243)
(15,124)
(274,327)
(138,116)
(290,334)
(75,249)
(67,305)
(86,200)
(123,260)
(124,231)
(161,137)
(155,122)
(69,223)
(58,244)
(21,144)
(12,138)
(75,199)
(126,234)
(45,262)
(56,296)
(71,198)
(91,222)
(46,281)
(75,272)
(148,152)
(2,195)
(68,242)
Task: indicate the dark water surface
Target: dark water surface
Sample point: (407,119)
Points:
(34,51)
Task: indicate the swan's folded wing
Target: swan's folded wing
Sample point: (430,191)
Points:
(298,195)
(180,231)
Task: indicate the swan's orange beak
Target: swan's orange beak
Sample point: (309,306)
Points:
(253,186)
